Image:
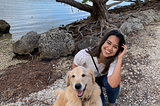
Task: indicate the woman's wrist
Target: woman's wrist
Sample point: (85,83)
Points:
(119,58)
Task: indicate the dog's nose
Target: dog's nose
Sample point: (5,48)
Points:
(78,86)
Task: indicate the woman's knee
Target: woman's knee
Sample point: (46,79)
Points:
(112,93)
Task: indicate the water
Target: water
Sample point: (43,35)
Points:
(37,15)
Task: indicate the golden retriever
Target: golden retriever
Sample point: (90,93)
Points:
(82,90)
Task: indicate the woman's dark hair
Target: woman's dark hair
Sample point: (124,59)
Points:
(97,50)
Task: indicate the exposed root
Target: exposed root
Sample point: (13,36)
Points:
(85,27)
(79,30)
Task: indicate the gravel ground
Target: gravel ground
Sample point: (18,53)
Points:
(6,54)
(140,84)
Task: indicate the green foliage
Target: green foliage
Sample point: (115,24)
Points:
(84,1)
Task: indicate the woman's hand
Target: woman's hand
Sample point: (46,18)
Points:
(120,55)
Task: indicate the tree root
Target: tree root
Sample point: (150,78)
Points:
(82,28)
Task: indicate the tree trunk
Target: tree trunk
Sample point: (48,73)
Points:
(99,12)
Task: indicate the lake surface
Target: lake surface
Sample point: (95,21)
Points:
(37,15)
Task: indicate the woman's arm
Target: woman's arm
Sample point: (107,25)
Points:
(73,65)
(115,79)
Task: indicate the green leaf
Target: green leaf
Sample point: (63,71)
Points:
(84,1)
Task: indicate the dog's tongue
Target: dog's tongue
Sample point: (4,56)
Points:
(79,93)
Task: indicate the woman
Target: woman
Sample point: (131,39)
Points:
(106,63)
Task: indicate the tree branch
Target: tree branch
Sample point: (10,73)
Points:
(80,6)
(108,6)
(104,2)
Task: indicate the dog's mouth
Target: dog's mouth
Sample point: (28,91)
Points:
(80,92)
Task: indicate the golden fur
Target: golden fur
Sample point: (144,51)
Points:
(81,89)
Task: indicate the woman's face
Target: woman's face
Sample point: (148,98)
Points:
(110,46)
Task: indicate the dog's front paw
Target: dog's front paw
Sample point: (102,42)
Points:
(58,92)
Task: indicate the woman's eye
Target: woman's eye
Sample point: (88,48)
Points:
(73,76)
(109,43)
(115,47)
(83,75)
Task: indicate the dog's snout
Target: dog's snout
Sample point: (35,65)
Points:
(78,86)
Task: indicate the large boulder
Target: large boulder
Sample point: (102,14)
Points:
(4,27)
(87,41)
(137,21)
(56,43)
(132,24)
(147,16)
(27,43)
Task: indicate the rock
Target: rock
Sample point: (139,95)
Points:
(27,43)
(56,43)
(147,16)
(6,36)
(133,24)
(138,20)
(4,27)
(87,41)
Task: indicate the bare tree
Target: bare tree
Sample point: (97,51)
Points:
(99,15)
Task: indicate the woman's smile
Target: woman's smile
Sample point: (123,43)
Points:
(107,52)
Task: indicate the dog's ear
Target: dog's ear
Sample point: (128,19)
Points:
(92,75)
(68,78)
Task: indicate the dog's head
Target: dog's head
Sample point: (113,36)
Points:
(80,79)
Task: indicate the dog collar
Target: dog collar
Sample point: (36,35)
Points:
(85,99)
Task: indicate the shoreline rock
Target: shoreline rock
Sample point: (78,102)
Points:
(4,27)
(27,43)
(55,43)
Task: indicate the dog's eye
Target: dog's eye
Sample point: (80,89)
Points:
(83,75)
(73,76)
